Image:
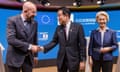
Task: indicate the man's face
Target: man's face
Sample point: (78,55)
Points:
(61,17)
(31,13)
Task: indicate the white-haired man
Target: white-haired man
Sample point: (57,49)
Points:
(22,40)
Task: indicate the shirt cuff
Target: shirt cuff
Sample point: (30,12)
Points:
(36,58)
(42,48)
(30,47)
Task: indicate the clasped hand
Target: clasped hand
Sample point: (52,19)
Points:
(35,48)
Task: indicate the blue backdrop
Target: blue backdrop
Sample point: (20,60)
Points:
(47,22)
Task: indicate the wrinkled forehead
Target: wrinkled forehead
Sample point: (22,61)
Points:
(33,8)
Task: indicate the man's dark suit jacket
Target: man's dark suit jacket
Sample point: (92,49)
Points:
(19,40)
(74,47)
(109,40)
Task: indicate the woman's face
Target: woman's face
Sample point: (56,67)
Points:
(102,20)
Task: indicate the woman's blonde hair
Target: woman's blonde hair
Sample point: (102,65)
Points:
(104,13)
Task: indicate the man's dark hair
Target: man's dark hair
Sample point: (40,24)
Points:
(65,10)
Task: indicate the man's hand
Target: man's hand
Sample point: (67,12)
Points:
(41,48)
(35,48)
(90,61)
(105,49)
(82,65)
(35,61)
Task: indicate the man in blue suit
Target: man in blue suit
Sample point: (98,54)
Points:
(103,42)
(22,40)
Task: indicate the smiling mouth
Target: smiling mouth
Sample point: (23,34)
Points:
(102,23)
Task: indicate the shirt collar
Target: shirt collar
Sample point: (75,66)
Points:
(68,24)
(23,19)
(99,29)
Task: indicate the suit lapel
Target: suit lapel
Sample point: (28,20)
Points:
(21,25)
(98,37)
(32,28)
(105,37)
(62,33)
(70,31)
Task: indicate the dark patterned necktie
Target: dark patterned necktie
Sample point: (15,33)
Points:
(27,27)
(64,29)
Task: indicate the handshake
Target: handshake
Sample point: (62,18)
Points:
(36,48)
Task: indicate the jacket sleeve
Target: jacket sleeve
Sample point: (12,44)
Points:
(53,43)
(114,40)
(36,38)
(82,44)
(11,36)
(90,44)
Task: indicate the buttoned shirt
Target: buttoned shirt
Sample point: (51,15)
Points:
(102,33)
(25,23)
(68,28)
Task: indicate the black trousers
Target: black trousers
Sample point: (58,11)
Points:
(65,67)
(26,67)
(105,65)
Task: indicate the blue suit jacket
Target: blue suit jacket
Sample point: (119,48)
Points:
(109,40)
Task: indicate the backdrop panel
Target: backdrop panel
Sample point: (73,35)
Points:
(47,22)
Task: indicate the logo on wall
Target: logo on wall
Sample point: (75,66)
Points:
(86,21)
(118,33)
(45,19)
(43,36)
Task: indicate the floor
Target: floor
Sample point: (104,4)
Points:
(46,69)
(54,69)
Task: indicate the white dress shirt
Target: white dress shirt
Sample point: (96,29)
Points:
(102,33)
(68,28)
